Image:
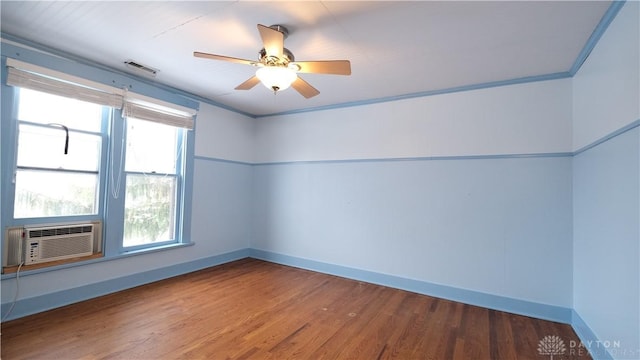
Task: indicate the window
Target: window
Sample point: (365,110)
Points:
(59,154)
(152,157)
(87,151)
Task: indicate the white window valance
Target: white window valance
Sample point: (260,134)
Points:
(145,108)
(150,114)
(142,107)
(60,84)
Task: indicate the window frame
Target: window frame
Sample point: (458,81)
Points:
(178,212)
(109,210)
(98,133)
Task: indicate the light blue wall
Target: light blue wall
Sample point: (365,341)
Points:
(467,195)
(607,242)
(500,226)
(606,89)
(528,118)
(221,205)
(606,191)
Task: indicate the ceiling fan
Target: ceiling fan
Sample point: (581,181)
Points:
(277,68)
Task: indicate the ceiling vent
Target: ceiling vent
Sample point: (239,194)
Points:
(141,69)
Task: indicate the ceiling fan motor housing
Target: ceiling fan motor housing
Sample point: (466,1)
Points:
(272,60)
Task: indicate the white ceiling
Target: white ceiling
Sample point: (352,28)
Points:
(396,48)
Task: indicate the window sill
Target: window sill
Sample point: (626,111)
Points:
(97,260)
(151,250)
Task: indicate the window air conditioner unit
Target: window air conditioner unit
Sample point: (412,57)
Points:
(44,244)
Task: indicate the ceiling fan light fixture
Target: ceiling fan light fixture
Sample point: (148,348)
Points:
(276,78)
(278,69)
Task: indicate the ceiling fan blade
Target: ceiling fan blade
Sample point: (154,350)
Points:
(304,88)
(336,67)
(224,58)
(253,81)
(273,40)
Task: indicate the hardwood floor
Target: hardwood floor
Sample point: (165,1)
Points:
(250,309)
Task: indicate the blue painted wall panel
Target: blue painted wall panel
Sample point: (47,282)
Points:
(607,242)
(221,205)
(498,226)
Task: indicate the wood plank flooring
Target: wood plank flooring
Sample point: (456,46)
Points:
(250,309)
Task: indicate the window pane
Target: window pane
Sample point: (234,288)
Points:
(54,193)
(149,214)
(44,147)
(43,108)
(151,147)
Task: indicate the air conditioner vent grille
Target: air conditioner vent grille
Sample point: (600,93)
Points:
(58,247)
(60,231)
(51,243)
